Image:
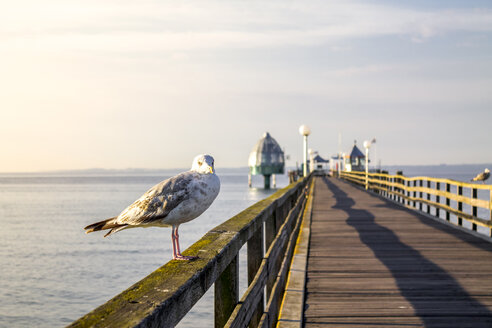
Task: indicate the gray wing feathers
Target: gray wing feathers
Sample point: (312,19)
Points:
(482,176)
(156,203)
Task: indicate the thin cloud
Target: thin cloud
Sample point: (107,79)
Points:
(155,26)
(363,70)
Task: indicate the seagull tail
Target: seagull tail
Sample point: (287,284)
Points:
(104,225)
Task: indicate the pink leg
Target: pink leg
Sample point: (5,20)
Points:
(173,237)
(176,251)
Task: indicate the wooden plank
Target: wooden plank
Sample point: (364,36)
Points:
(292,308)
(164,297)
(373,263)
(273,305)
(376,183)
(474,195)
(459,213)
(244,310)
(226,293)
(255,257)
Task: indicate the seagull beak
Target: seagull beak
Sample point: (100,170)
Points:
(211,169)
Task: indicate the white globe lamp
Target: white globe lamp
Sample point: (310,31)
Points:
(304,131)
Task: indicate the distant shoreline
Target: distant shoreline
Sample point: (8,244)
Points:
(225,170)
(136,171)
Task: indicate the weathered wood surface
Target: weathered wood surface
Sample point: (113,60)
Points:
(292,308)
(164,297)
(373,263)
(399,188)
(275,264)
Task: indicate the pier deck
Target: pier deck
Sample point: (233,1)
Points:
(373,263)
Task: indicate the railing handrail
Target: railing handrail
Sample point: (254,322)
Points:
(470,185)
(399,188)
(164,297)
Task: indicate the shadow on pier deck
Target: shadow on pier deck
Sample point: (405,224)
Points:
(325,253)
(373,263)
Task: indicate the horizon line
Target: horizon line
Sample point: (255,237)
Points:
(95,169)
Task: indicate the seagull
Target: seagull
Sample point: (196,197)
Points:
(169,203)
(482,176)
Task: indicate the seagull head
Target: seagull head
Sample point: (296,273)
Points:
(487,171)
(203,164)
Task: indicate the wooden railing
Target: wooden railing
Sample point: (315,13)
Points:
(439,197)
(164,297)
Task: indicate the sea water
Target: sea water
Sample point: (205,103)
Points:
(51,272)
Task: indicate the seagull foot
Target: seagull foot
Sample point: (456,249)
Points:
(185,258)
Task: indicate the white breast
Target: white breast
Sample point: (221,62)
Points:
(203,192)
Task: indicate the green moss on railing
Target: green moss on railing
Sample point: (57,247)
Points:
(183,281)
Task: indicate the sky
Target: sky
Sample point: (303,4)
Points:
(150,84)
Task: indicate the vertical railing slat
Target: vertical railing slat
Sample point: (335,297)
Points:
(460,205)
(269,237)
(399,189)
(490,210)
(438,199)
(255,257)
(421,194)
(474,195)
(226,293)
(448,201)
(414,194)
(428,197)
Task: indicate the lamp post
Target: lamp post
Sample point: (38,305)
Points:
(367,145)
(304,130)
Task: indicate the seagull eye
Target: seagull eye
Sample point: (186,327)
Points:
(200,163)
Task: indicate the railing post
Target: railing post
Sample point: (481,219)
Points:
(414,194)
(404,191)
(396,198)
(474,195)
(385,183)
(438,198)
(390,188)
(255,256)
(401,190)
(270,232)
(421,194)
(279,217)
(397,189)
(394,189)
(490,210)
(448,201)
(408,193)
(460,205)
(428,197)
(226,293)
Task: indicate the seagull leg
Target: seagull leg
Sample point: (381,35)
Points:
(173,237)
(177,252)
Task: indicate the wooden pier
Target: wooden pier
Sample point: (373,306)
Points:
(373,263)
(326,252)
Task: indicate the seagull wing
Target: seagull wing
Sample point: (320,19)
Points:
(480,176)
(158,201)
